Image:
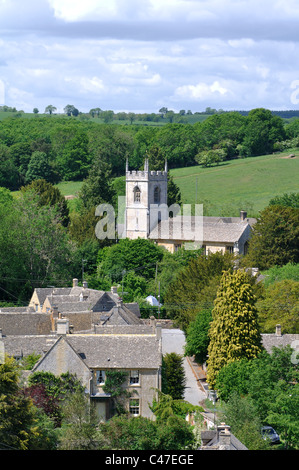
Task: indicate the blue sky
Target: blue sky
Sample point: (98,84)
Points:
(140,55)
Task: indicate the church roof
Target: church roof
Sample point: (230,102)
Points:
(205,229)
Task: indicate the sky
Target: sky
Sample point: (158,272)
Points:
(141,55)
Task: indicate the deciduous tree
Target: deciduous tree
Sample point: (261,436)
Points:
(274,240)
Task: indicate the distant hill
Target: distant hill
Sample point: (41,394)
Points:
(242,184)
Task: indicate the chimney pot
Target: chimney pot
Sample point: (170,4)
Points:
(114,290)
(243,215)
(85,284)
(62,326)
(158,331)
(278,330)
(224,436)
(75,282)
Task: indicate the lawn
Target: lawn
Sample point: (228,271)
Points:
(69,188)
(242,184)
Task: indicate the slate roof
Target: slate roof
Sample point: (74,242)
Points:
(25,323)
(67,300)
(211,441)
(209,229)
(19,346)
(120,313)
(271,340)
(124,351)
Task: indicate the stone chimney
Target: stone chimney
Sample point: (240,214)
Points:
(62,326)
(152,321)
(224,436)
(243,215)
(75,282)
(278,330)
(114,290)
(158,331)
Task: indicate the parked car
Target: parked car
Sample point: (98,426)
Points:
(269,433)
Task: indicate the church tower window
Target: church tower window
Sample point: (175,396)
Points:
(137,194)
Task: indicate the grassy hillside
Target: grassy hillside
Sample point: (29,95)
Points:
(242,184)
(224,190)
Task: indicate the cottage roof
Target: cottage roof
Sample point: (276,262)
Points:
(124,351)
(19,346)
(25,323)
(211,441)
(271,340)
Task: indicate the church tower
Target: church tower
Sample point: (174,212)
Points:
(145,191)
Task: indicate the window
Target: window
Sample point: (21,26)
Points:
(137,194)
(134,377)
(134,406)
(100,377)
(157,195)
(230,249)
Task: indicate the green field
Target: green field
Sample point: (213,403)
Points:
(242,184)
(69,188)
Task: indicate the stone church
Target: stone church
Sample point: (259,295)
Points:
(148,216)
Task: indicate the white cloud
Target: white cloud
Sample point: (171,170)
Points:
(200,91)
(74,10)
(132,54)
(86,85)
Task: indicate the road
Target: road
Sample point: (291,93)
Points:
(173,340)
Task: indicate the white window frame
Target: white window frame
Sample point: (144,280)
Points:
(100,377)
(134,406)
(134,377)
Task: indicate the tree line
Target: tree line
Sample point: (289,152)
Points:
(64,148)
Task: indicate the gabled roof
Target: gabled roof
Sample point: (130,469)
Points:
(124,351)
(19,346)
(56,365)
(207,229)
(120,314)
(78,299)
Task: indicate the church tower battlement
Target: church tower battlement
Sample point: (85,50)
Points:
(143,189)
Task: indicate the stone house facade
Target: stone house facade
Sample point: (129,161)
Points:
(91,356)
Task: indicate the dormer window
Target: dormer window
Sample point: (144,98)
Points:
(157,195)
(137,194)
